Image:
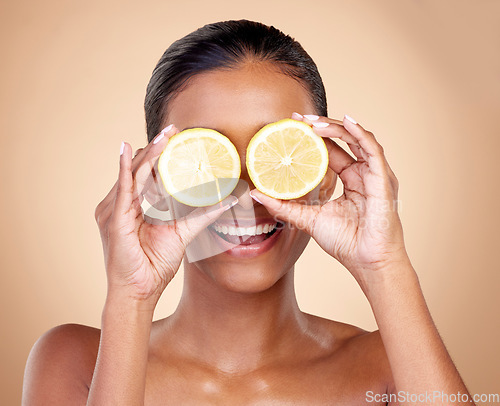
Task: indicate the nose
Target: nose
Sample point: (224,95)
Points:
(245,184)
(242,192)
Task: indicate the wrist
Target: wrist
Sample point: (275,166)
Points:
(125,303)
(386,277)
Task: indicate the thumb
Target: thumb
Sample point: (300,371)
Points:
(303,216)
(191,225)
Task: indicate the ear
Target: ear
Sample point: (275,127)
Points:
(327,185)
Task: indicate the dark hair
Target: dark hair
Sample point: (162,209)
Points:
(226,45)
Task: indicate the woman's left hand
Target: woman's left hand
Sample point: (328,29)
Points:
(361,228)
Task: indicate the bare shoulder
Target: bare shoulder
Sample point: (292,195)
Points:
(341,333)
(355,348)
(344,333)
(60,365)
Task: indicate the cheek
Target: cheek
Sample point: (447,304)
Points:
(297,240)
(300,240)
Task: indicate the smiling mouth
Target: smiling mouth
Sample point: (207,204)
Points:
(246,235)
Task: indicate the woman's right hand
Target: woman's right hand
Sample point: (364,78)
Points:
(142,258)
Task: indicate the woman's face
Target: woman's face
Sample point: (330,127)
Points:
(238,103)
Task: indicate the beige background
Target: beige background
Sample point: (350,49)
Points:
(422,75)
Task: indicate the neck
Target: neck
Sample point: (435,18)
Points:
(235,331)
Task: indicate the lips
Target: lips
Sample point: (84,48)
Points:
(243,239)
(245,235)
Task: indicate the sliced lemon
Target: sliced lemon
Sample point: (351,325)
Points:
(286,159)
(199,167)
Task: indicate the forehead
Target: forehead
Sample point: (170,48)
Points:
(226,100)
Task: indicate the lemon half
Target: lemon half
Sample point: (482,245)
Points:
(286,159)
(199,167)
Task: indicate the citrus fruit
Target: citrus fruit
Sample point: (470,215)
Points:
(286,159)
(199,167)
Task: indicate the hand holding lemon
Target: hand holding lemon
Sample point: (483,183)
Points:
(141,258)
(361,228)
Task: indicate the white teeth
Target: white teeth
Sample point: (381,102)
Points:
(250,230)
(240,231)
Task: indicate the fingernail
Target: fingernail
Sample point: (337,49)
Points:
(320,124)
(351,119)
(297,115)
(158,138)
(122,147)
(255,198)
(167,129)
(311,117)
(162,133)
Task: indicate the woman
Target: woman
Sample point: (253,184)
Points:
(238,335)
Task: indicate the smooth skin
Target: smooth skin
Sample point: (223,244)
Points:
(238,336)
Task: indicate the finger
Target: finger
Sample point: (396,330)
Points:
(297,116)
(312,118)
(394,180)
(145,173)
(318,122)
(191,225)
(124,189)
(361,142)
(376,159)
(334,130)
(300,215)
(105,207)
(339,159)
(137,151)
(160,139)
(366,139)
(358,152)
(331,128)
(327,127)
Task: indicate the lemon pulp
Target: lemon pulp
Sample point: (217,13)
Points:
(199,167)
(286,159)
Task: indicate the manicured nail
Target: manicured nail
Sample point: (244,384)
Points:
(320,124)
(167,129)
(255,198)
(158,137)
(122,147)
(351,119)
(162,133)
(311,117)
(297,115)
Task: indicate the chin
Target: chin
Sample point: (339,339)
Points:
(244,270)
(246,279)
